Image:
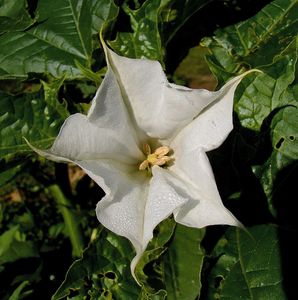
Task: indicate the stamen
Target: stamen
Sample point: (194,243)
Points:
(158,158)
(161,151)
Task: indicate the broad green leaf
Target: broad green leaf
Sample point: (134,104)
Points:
(103,272)
(62,36)
(14,16)
(249,265)
(184,261)
(268,91)
(254,42)
(145,40)
(36,117)
(13,246)
(267,41)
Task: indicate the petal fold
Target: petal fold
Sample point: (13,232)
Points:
(160,108)
(205,206)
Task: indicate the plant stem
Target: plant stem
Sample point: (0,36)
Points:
(71,224)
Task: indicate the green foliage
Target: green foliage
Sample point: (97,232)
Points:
(153,25)
(254,42)
(183,265)
(145,39)
(153,253)
(248,266)
(18,291)
(104,267)
(14,16)
(63,34)
(37,117)
(14,246)
(285,131)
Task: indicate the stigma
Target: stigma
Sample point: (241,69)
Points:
(159,157)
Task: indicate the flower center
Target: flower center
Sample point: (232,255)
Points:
(159,157)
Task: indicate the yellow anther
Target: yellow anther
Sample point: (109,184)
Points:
(161,151)
(158,158)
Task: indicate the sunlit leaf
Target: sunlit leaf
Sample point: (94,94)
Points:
(63,35)
(254,42)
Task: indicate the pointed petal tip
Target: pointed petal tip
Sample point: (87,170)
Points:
(46,153)
(236,80)
(133,265)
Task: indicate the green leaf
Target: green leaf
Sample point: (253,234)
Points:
(16,295)
(13,246)
(249,265)
(62,36)
(267,41)
(103,272)
(9,171)
(254,42)
(145,40)
(14,16)
(153,25)
(69,217)
(285,131)
(175,14)
(184,261)
(37,117)
(268,91)
(150,261)
(267,174)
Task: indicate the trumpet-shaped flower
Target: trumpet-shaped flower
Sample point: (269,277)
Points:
(144,142)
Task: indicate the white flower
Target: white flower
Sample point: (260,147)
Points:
(144,142)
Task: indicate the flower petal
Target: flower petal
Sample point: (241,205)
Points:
(106,132)
(160,109)
(122,209)
(162,200)
(205,206)
(132,206)
(212,126)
